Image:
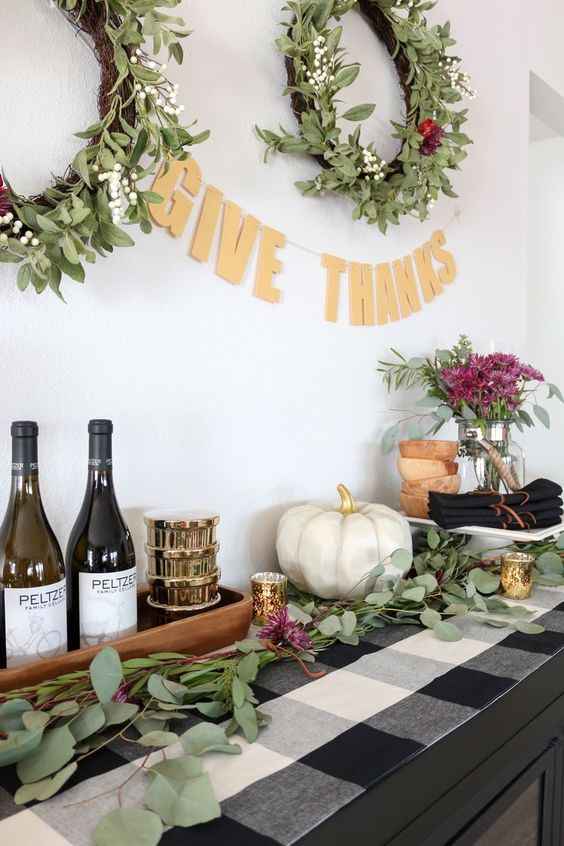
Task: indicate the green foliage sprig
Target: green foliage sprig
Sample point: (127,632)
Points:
(79,215)
(49,729)
(430,138)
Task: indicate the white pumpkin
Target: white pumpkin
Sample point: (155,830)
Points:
(330,550)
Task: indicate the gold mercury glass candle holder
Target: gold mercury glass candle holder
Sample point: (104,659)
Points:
(269,595)
(517,575)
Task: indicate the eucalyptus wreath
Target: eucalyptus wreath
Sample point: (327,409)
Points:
(48,730)
(431,82)
(79,214)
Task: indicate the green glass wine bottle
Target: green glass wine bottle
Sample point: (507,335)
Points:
(100,555)
(33,605)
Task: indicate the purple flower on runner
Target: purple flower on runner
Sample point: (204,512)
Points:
(122,693)
(281,630)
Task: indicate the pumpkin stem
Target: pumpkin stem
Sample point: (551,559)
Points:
(348,505)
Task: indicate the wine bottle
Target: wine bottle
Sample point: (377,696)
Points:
(33,604)
(100,556)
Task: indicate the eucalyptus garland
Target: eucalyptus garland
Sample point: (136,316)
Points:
(80,215)
(431,81)
(49,729)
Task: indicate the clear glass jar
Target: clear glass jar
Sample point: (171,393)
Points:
(476,467)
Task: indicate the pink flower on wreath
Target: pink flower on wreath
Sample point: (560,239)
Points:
(5,204)
(282,631)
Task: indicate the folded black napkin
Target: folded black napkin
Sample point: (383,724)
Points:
(536,506)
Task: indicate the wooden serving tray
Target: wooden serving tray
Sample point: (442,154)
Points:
(195,635)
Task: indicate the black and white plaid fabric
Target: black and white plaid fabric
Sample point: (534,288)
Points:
(378,705)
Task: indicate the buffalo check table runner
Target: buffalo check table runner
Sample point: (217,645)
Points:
(330,739)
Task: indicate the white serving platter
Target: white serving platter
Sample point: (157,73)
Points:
(521,536)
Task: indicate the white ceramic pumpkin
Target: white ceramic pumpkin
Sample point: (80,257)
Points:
(330,550)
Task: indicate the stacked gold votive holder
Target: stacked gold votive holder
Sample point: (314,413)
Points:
(182,572)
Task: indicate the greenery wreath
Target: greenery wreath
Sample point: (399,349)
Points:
(431,82)
(79,214)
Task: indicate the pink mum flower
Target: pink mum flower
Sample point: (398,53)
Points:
(281,630)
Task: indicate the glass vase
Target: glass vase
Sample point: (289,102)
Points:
(477,469)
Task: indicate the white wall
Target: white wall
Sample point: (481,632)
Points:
(546,294)
(220,399)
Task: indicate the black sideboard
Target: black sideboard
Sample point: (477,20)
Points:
(497,780)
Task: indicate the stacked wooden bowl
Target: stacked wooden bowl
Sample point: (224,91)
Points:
(426,466)
(182,573)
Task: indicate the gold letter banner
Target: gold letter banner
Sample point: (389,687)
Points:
(377,294)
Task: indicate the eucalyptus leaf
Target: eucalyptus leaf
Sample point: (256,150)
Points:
(428,581)
(497,624)
(430,618)
(249,646)
(158,738)
(402,559)
(456,610)
(33,720)
(90,721)
(350,639)
(146,725)
(117,713)
(65,709)
(18,745)
(248,667)
(213,710)
(348,623)
(207,737)
(11,714)
(379,598)
(528,628)
(106,674)
(298,614)
(55,750)
(238,691)
(542,415)
(41,790)
(518,611)
(390,439)
(128,827)
(247,719)
(178,769)
(329,626)
(549,562)
(166,690)
(485,582)
(447,631)
(414,594)
(183,803)
(479,602)
(433,539)
(428,402)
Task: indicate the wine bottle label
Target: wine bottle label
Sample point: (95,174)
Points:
(36,623)
(107,606)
